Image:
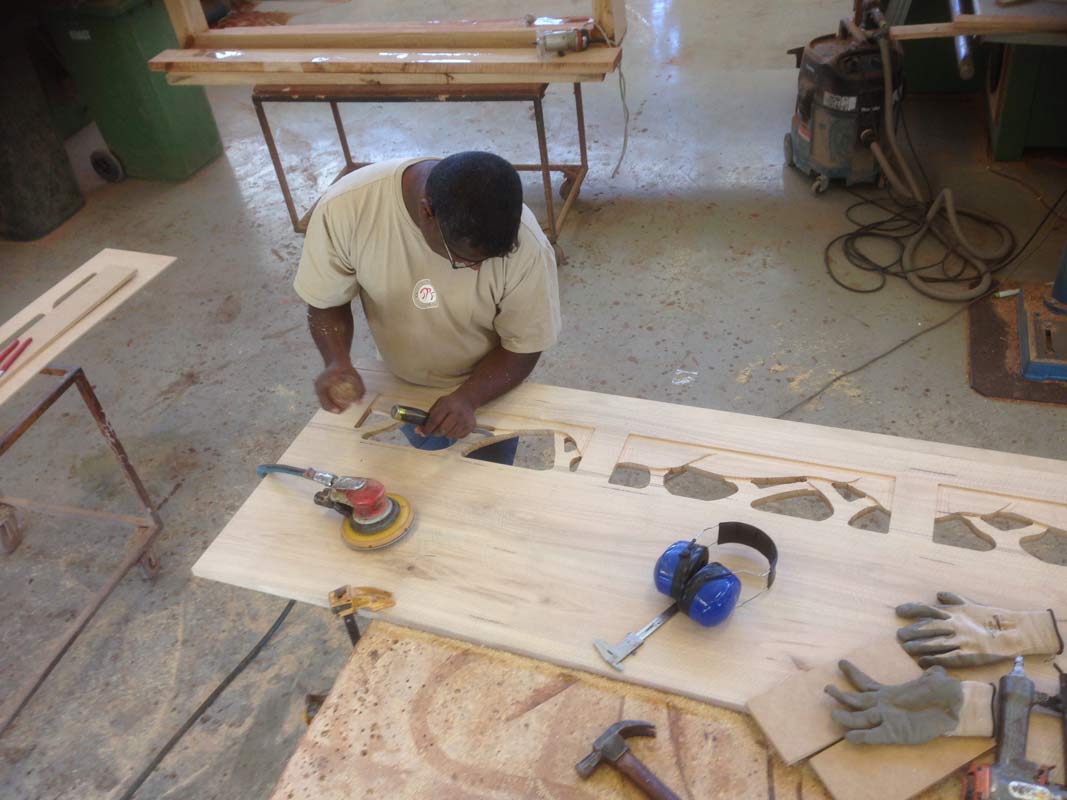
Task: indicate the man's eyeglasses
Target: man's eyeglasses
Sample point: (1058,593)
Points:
(461,263)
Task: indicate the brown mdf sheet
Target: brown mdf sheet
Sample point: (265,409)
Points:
(897,772)
(68,310)
(795,714)
(413,715)
(795,717)
(542,562)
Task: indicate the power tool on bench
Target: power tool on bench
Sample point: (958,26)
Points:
(1012,776)
(372,517)
(840,98)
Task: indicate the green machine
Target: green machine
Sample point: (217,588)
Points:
(1021,75)
(154,130)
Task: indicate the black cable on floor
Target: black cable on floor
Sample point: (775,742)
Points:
(945,321)
(211,698)
(903,221)
(900,225)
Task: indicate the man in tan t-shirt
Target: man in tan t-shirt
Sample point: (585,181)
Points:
(456,278)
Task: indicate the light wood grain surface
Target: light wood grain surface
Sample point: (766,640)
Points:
(179,78)
(541,563)
(466,33)
(144,266)
(385,61)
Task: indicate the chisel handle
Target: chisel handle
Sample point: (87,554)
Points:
(409,414)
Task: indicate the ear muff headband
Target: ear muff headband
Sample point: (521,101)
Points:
(691,560)
(751,536)
(684,573)
(704,576)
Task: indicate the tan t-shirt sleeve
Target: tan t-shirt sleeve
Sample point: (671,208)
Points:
(528,319)
(326,277)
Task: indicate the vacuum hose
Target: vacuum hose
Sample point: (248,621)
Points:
(890,129)
(942,209)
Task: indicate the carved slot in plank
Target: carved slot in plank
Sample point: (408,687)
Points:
(802,502)
(1050,546)
(810,498)
(983,521)
(974,532)
(956,530)
(697,483)
(540,450)
(780,486)
(635,476)
(543,449)
(874,519)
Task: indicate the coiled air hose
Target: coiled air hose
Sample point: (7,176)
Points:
(942,218)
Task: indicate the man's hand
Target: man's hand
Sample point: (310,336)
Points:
(338,386)
(452,416)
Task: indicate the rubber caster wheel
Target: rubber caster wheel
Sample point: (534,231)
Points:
(821,184)
(789,162)
(10,533)
(107,165)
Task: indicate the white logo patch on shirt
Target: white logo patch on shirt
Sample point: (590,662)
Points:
(424,295)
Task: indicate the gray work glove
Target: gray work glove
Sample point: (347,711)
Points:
(962,633)
(930,706)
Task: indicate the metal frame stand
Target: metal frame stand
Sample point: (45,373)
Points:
(138,549)
(574,174)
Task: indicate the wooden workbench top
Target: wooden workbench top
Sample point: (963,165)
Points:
(414,715)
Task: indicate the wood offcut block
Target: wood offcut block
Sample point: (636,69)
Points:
(795,714)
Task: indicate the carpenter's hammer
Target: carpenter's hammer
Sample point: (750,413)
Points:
(611,745)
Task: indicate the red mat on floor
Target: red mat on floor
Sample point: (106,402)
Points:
(993,352)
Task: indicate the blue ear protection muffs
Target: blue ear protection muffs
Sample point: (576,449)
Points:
(707,593)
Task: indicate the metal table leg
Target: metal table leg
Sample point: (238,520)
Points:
(138,548)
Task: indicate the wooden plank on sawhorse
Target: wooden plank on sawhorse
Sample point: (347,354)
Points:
(542,562)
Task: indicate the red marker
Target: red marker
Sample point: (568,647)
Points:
(7,360)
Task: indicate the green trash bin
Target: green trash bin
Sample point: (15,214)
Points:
(38,190)
(157,131)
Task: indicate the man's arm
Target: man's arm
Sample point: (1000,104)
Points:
(497,373)
(338,385)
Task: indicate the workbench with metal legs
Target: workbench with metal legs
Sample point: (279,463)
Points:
(139,550)
(574,174)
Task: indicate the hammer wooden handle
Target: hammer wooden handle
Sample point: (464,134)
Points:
(630,766)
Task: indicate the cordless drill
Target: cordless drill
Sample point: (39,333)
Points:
(1011,776)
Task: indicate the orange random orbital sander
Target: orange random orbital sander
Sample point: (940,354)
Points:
(373,518)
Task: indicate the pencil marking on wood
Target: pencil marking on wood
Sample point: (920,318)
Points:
(542,695)
(674,730)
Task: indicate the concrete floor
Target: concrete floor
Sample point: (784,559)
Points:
(695,276)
